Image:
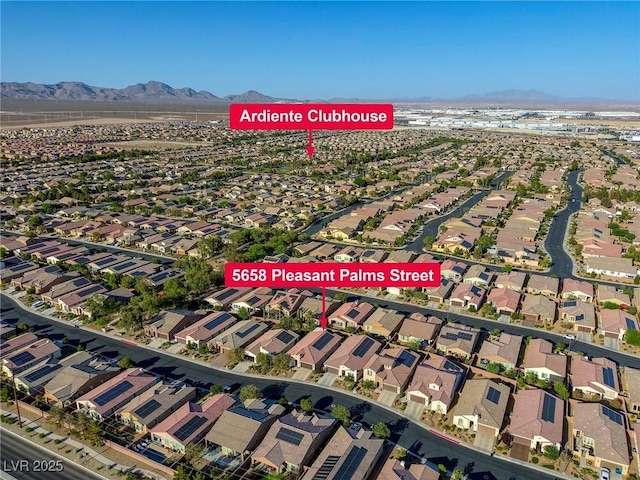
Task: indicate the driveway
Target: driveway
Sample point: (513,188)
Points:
(156,342)
(301,374)
(328,379)
(242,367)
(387,398)
(612,343)
(414,410)
(484,441)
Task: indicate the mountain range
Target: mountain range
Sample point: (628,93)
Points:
(156,92)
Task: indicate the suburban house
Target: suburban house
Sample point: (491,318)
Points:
(391,369)
(505,300)
(615,323)
(241,428)
(314,349)
(383,322)
(581,314)
(397,470)
(33,379)
(452,270)
(167,323)
(435,383)
(610,294)
(503,350)
(538,309)
(351,314)
(631,385)
(286,302)
(577,289)
(104,400)
(224,298)
(600,437)
(254,301)
(440,293)
(543,285)
(76,378)
(24,358)
(537,421)
(202,331)
(351,356)
(348,454)
(418,329)
(478,275)
(311,308)
(149,408)
(190,422)
(612,267)
(16,343)
(240,335)
(482,406)
(467,295)
(457,340)
(513,280)
(272,343)
(595,378)
(348,254)
(540,360)
(292,441)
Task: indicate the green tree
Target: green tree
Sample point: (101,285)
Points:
(551,452)
(215,389)
(235,356)
(243,313)
(263,361)
(561,390)
(401,453)
(428,242)
(249,391)
(281,362)
(193,452)
(442,469)
(306,405)
(182,473)
(457,474)
(125,362)
(493,368)
(342,414)
(34,221)
(381,430)
(632,337)
(559,347)
(368,385)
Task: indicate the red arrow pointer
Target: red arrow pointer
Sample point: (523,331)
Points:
(310,148)
(323,318)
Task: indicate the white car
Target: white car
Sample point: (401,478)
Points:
(570,337)
(604,473)
(37,304)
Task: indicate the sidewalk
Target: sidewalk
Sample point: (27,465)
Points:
(85,450)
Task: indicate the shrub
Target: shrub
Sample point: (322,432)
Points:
(57,441)
(41,435)
(28,429)
(535,460)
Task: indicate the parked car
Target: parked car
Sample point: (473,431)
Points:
(604,473)
(570,337)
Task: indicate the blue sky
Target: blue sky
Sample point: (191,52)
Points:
(330,49)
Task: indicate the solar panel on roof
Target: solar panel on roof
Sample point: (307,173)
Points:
(284,336)
(363,348)
(607,374)
(226,293)
(41,372)
(351,463)
(549,408)
(631,325)
(321,342)
(493,395)
(248,330)
(571,303)
(147,408)
(326,467)
(188,428)
(257,415)
(450,336)
(289,436)
(22,358)
(353,313)
(465,336)
(216,322)
(613,415)
(116,391)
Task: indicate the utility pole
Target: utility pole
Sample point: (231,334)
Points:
(15,398)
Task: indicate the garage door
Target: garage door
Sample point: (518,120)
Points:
(333,370)
(520,451)
(418,399)
(610,335)
(486,429)
(390,388)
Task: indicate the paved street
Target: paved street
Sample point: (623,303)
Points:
(15,448)
(404,432)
